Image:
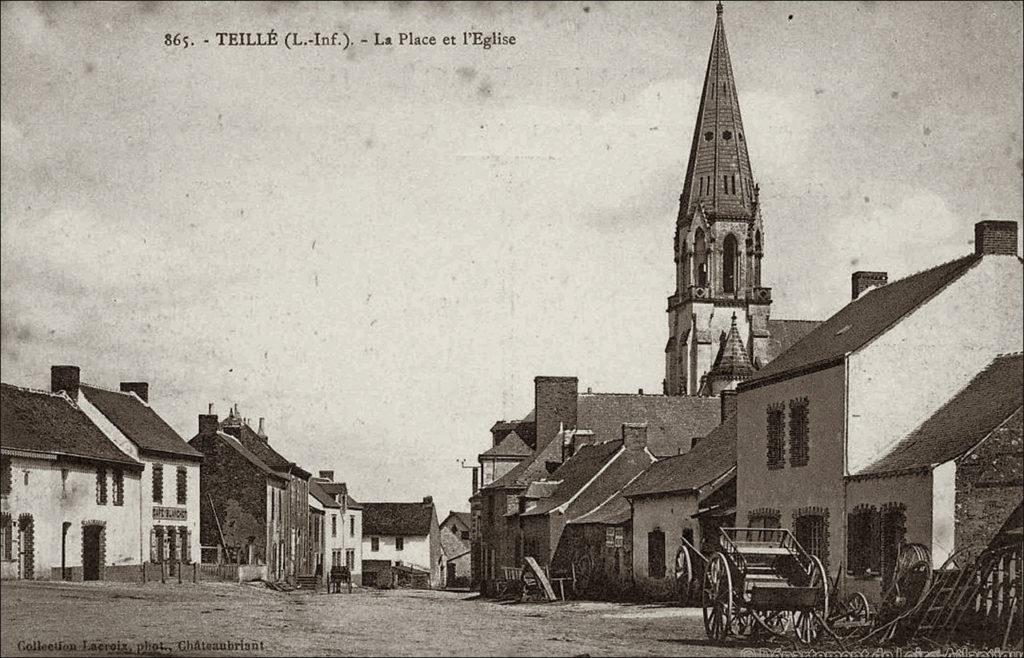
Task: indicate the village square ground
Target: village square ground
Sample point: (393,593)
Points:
(116,618)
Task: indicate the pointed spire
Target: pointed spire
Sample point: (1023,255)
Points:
(732,363)
(718,175)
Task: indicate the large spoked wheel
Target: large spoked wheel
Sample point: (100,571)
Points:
(808,623)
(854,617)
(684,574)
(716,598)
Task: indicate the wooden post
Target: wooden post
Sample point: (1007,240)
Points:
(163,573)
(195,572)
(143,573)
(179,571)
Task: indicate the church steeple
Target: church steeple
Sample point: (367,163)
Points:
(719,244)
(718,174)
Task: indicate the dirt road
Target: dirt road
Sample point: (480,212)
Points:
(42,618)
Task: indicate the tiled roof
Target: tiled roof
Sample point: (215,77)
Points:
(38,421)
(260,446)
(713,456)
(786,333)
(994,395)
(602,501)
(398,519)
(530,469)
(137,421)
(672,420)
(575,473)
(862,319)
(350,503)
(325,499)
(510,446)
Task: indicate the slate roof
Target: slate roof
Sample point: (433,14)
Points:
(237,446)
(530,469)
(137,421)
(862,319)
(575,473)
(712,457)
(350,503)
(465,518)
(510,446)
(260,446)
(398,519)
(37,421)
(732,362)
(994,395)
(786,333)
(602,502)
(325,499)
(672,420)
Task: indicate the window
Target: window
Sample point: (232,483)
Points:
(336,557)
(702,186)
(863,547)
(725,183)
(465,535)
(351,526)
(399,543)
(708,136)
(350,559)
(764,518)
(6,537)
(63,482)
(730,259)
(811,529)
(5,478)
(158,483)
(101,486)
(892,533)
(273,497)
(334,525)
(182,485)
(798,439)
(700,259)
(726,135)
(776,436)
(118,487)
(374,544)
(656,553)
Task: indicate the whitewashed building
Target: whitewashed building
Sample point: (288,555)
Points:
(69,501)
(403,535)
(170,492)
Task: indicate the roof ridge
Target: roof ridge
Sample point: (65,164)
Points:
(29,389)
(130,394)
(966,258)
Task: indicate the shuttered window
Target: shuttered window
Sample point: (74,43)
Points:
(799,439)
(118,486)
(158,483)
(101,486)
(776,436)
(182,485)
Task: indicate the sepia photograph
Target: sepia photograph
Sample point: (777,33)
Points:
(448,328)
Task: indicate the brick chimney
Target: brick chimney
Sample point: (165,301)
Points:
(728,399)
(634,436)
(428,500)
(861,281)
(554,400)
(208,423)
(995,238)
(325,475)
(65,378)
(262,433)
(140,389)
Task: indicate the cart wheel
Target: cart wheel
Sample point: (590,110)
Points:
(807,626)
(716,598)
(857,608)
(743,623)
(684,574)
(780,621)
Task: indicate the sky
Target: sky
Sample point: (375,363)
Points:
(378,248)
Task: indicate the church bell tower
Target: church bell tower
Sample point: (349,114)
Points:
(719,239)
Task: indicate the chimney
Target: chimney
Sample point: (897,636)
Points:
(65,378)
(476,479)
(428,500)
(861,281)
(640,391)
(634,436)
(995,238)
(324,475)
(554,401)
(581,438)
(263,435)
(140,389)
(208,423)
(728,398)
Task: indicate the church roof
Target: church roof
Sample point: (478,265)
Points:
(672,420)
(861,320)
(732,362)
(994,395)
(719,150)
(783,334)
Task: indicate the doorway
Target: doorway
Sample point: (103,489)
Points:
(92,549)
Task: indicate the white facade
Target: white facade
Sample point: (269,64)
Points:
(48,495)
(162,514)
(410,550)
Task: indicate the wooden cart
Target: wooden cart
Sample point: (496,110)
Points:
(763,581)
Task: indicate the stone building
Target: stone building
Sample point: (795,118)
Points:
(720,240)
(455,533)
(69,497)
(243,505)
(822,429)
(171,467)
(344,526)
